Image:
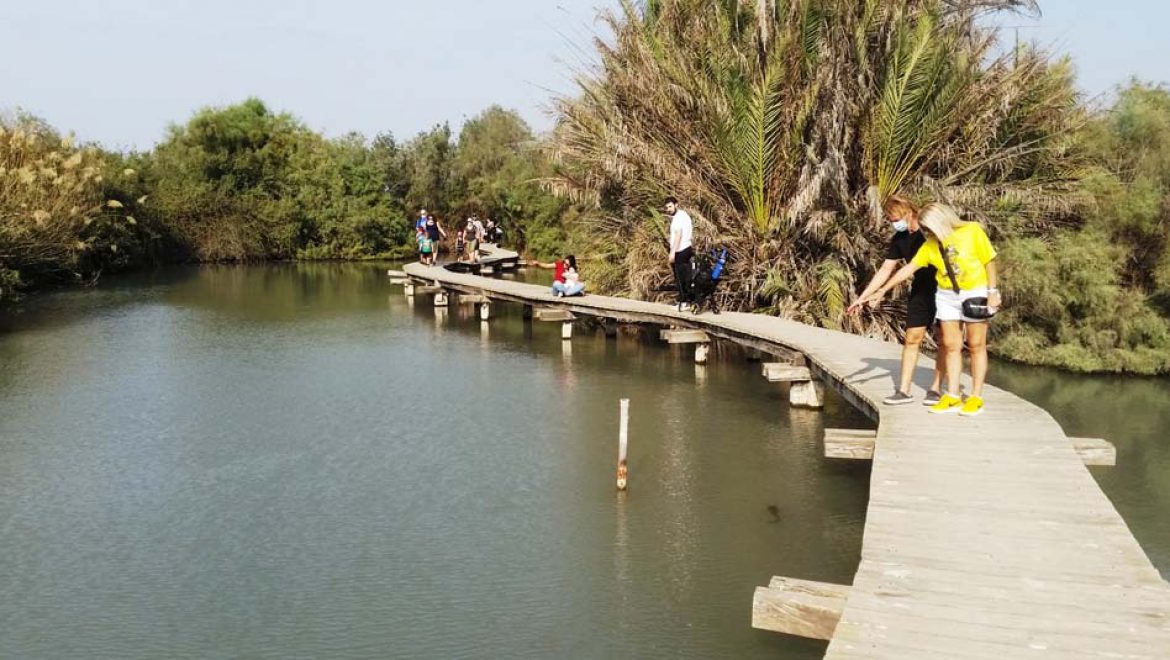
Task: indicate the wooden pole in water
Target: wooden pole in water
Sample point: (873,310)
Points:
(623,443)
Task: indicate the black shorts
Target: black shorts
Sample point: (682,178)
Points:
(920,311)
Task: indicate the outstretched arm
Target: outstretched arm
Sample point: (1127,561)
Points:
(879,278)
(902,275)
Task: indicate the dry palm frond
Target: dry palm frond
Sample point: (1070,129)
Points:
(783,125)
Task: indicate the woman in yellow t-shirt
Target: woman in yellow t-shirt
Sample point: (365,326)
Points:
(972,263)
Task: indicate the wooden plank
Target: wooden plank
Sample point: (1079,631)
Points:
(397,274)
(799,607)
(471,299)
(780,372)
(1095,451)
(423,290)
(552,314)
(678,336)
(850,445)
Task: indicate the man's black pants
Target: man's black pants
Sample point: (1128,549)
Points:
(682,274)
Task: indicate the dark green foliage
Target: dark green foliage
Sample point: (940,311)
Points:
(1094,297)
(244,183)
(498,168)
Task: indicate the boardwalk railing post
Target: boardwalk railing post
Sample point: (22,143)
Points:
(623,443)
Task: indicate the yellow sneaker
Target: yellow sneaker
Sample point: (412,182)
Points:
(946,405)
(972,406)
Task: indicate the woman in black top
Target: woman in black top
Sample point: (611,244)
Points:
(920,311)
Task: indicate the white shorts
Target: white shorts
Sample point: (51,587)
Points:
(949,305)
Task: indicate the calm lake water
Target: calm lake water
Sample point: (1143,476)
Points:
(291,461)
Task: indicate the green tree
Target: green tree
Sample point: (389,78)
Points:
(499,167)
(1094,296)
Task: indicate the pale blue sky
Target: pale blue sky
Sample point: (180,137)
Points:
(119,71)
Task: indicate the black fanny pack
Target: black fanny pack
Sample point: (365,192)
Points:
(975,307)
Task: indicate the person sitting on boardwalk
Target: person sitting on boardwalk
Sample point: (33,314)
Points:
(967,296)
(569,282)
(904,244)
(681,230)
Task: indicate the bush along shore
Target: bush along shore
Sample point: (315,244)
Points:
(792,145)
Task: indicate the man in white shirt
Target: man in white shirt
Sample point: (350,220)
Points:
(681,230)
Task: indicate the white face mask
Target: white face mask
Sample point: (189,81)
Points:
(901,225)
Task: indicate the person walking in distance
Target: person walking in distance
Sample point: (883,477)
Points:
(920,311)
(681,230)
(435,233)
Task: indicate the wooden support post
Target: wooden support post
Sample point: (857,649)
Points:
(623,443)
(528,312)
(855,444)
(567,330)
(799,607)
(701,353)
(485,311)
(408,289)
(610,327)
(441,299)
(782,372)
(807,394)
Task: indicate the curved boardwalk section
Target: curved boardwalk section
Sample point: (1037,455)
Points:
(985,537)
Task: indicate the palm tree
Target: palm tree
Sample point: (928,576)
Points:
(784,124)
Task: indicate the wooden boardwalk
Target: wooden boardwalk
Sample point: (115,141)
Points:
(985,537)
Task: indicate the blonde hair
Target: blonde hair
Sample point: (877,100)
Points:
(897,206)
(941,220)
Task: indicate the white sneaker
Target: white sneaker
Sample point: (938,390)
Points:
(684,307)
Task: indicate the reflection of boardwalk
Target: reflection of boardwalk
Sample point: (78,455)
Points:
(984,537)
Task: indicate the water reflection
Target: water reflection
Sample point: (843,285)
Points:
(261,456)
